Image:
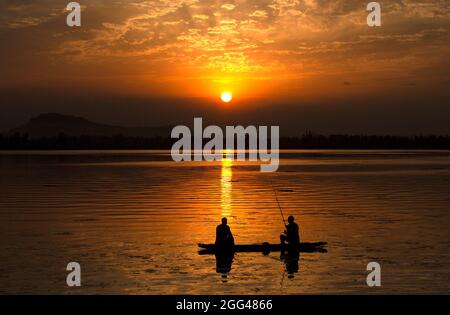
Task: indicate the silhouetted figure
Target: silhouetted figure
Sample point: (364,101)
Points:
(291,235)
(224,237)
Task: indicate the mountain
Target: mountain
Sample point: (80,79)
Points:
(53,124)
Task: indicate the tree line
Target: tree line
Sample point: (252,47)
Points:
(308,140)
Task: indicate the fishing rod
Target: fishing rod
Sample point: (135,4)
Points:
(278,202)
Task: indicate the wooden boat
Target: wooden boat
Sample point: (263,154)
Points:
(265,248)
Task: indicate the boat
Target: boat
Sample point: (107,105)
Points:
(266,248)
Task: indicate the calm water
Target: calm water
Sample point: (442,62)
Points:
(133,219)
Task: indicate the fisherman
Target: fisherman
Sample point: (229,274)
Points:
(224,237)
(291,234)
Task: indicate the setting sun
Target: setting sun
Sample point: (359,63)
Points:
(226,97)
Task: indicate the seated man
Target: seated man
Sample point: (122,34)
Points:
(291,234)
(224,237)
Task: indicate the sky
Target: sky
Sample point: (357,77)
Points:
(301,64)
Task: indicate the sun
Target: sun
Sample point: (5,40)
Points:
(226,97)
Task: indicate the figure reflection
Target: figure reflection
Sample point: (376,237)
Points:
(223,264)
(291,260)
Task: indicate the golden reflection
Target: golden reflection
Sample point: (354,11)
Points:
(225,186)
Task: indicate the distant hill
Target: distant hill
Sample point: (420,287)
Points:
(53,124)
(62,132)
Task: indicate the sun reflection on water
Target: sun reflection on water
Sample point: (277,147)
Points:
(226,186)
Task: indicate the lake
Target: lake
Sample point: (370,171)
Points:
(132,219)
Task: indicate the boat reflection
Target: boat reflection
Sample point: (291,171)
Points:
(224,262)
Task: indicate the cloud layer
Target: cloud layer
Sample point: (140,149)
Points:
(289,40)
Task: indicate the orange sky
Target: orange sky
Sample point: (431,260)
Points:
(292,51)
(208,46)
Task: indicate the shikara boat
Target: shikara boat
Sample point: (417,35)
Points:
(264,248)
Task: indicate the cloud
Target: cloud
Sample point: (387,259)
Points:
(287,38)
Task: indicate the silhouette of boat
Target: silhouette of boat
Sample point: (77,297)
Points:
(265,248)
